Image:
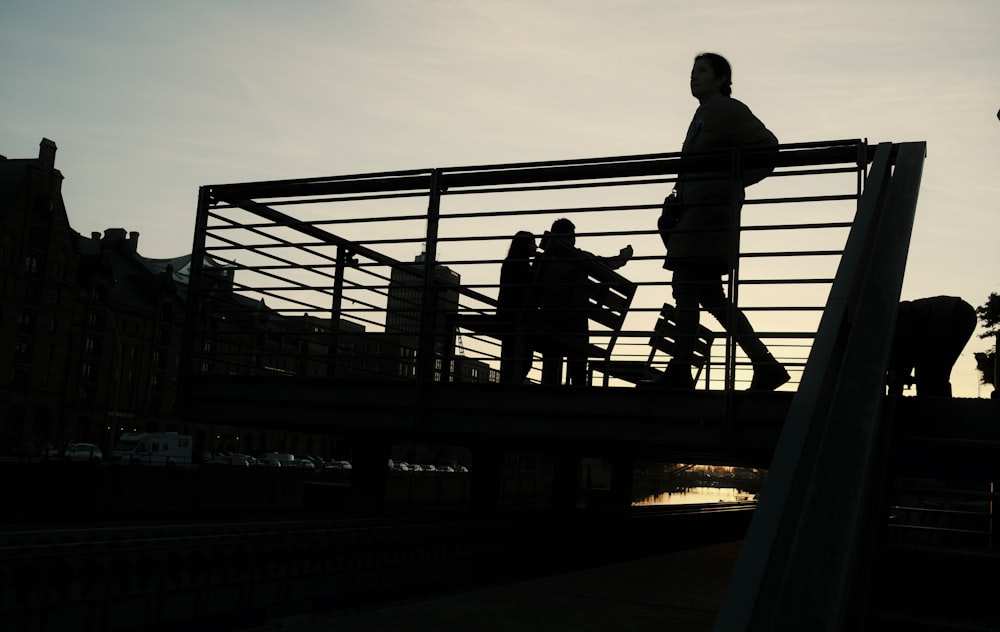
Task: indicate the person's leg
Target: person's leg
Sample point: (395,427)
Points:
(508,359)
(932,375)
(578,332)
(768,373)
(515,359)
(551,368)
(737,324)
(898,378)
(524,358)
(576,371)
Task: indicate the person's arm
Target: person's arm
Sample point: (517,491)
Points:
(741,128)
(732,124)
(616,261)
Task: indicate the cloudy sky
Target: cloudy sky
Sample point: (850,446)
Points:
(147,101)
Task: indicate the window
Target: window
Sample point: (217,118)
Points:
(22,347)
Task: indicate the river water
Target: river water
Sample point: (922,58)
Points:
(697,495)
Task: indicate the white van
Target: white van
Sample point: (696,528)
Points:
(164,449)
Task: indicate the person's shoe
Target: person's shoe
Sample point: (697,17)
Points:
(768,375)
(673,378)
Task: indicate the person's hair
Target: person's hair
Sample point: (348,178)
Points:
(563,226)
(721,68)
(522,246)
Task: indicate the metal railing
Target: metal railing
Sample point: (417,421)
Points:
(807,545)
(357,276)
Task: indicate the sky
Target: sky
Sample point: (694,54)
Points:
(148,101)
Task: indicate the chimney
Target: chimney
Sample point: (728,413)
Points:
(47,153)
(114,239)
(114,234)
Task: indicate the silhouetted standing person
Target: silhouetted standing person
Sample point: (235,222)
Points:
(516,274)
(563,305)
(930,335)
(698,252)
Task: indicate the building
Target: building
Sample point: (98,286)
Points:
(40,322)
(403,314)
(92,332)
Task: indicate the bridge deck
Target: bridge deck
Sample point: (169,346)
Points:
(650,423)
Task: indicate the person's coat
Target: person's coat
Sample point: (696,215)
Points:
(702,234)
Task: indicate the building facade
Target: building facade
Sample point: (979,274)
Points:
(92,333)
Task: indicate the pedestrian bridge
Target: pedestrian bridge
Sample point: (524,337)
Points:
(329,303)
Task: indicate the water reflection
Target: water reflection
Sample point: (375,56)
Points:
(697,495)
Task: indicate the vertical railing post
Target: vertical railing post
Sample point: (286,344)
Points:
(336,307)
(427,355)
(736,198)
(195,299)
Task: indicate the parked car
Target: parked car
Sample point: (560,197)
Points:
(83,452)
(317,461)
(251,461)
(268,459)
(302,462)
(279,459)
(340,465)
(227,460)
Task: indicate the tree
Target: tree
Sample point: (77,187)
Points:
(986,361)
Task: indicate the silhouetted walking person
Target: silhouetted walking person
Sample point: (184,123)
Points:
(930,335)
(698,245)
(513,310)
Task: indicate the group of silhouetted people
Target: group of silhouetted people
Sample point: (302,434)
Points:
(696,226)
(560,311)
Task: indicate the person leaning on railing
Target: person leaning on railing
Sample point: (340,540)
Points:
(698,244)
(930,335)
